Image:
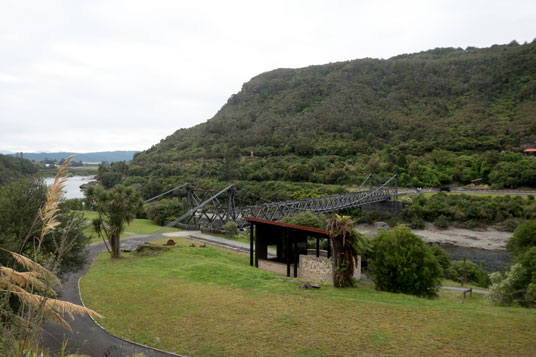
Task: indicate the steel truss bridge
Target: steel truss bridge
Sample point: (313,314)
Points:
(212,209)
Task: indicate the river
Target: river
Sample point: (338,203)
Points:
(72,185)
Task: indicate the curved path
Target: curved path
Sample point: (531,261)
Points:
(87,337)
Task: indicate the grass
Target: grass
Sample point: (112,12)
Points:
(137,227)
(210,302)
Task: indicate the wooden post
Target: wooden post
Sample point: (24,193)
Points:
(288,252)
(251,244)
(470,291)
(256,248)
(295,254)
(317,247)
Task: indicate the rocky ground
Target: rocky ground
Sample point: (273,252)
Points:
(488,238)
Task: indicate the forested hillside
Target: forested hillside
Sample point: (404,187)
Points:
(13,167)
(436,117)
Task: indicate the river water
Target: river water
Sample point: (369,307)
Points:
(72,185)
(494,260)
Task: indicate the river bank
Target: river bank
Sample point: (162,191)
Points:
(485,245)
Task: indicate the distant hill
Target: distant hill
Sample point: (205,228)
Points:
(435,117)
(109,156)
(12,168)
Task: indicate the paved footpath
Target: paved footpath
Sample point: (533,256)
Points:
(87,337)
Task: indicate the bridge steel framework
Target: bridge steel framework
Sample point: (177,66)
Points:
(212,209)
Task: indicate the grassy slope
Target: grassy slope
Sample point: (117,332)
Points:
(208,301)
(136,226)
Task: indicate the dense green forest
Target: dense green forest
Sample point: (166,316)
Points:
(442,116)
(14,167)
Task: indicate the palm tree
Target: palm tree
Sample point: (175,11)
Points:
(116,208)
(346,244)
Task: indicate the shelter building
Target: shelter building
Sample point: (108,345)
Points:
(292,257)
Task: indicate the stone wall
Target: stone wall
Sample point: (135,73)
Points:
(313,268)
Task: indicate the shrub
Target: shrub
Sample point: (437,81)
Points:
(165,210)
(524,237)
(518,285)
(307,219)
(511,288)
(475,274)
(442,222)
(403,263)
(443,258)
(230,229)
(417,223)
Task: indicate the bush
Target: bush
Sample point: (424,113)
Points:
(74,204)
(443,258)
(524,237)
(164,211)
(518,285)
(442,222)
(511,288)
(307,219)
(403,263)
(510,224)
(475,274)
(417,223)
(230,229)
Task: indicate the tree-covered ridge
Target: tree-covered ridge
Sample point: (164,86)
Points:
(435,117)
(14,167)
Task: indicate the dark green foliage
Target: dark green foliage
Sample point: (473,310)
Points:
(116,208)
(230,229)
(417,223)
(403,263)
(474,273)
(20,202)
(307,219)
(346,243)
(69,240)
(164,210)
(442,222)
(443,258)
(74,204)
(518,285)
(12,168)
(524,237)
(112,175)
(467,210)
(435,117)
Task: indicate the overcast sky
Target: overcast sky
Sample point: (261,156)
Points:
(94,75)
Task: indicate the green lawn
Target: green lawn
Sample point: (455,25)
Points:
(136,226)
(210,302)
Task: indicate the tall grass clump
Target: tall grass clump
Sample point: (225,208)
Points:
(27,295)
